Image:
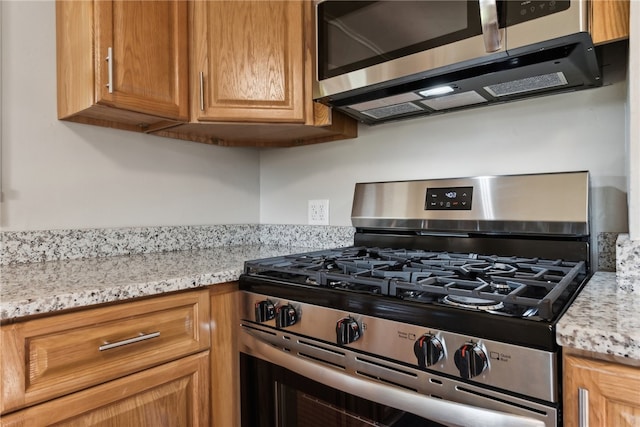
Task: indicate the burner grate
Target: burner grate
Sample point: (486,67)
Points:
(514,286)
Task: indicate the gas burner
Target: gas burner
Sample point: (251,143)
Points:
(500,288)
(474,303)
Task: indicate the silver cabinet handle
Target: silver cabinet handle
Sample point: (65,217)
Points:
(583,407)
(490,25)
(141,337)
(109,60)
(201,91)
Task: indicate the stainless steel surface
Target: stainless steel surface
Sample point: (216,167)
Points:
(490,27)
(109,60)
(436,398)
(472,50)
(465,50)
(141,337)
(570,21)
(509,366)
(583,407)
(555,203)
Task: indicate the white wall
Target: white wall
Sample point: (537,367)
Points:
(66,175)
(576,131)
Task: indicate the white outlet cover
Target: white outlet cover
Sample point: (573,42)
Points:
(318,212)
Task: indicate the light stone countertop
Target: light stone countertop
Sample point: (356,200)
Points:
(603,319)
(36,288)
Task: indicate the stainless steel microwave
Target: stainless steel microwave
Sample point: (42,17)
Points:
(382,60)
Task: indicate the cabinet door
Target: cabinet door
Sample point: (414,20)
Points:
(611,393)
(248,61)
(171,395)
(147,70)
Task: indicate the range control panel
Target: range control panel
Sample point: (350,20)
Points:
(477,360)
(449,198)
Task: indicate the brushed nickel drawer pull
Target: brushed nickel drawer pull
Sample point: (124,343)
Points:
(583,407)
(141,337)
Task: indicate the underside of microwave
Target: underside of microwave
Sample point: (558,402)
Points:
(565,64)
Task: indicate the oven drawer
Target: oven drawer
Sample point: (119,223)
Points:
(49,357)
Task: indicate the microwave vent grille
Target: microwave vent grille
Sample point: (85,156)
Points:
(529,84)
(392,110)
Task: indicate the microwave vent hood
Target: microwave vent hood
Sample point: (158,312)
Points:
(563,64)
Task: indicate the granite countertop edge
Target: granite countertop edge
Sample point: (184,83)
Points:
(46,288)
(603,319)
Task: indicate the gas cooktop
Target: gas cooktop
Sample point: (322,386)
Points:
(513,286)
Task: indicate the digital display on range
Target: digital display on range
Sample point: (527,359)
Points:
(449,198)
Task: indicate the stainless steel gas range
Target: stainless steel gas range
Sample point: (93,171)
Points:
(442,313)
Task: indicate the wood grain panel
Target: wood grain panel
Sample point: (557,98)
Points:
(150,60)
(150,56)
(48,357)
(175,394)
(263,134)
(613,390)
(225,370)
(251,54)
(609,20)
(74,56)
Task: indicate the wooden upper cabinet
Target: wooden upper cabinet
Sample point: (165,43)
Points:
(609,20)
(218,72)
(123,63)
(252,71)
(248,62)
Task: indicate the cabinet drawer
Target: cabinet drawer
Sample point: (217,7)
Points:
(53,356)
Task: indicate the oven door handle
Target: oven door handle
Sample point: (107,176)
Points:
(438,410)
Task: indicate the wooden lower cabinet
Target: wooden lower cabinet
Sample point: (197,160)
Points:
(49,357)
(225,368)
(171,395)
(141,363)
(610,393)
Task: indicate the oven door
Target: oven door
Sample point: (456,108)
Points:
(288,380)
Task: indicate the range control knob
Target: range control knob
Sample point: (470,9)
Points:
(347,330)
(470,360)
(265,310)
(428,350)
(286,315)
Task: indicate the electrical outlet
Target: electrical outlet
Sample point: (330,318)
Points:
(318,212)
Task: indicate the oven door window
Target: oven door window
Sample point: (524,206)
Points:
(272,396)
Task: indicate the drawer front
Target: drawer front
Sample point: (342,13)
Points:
(52,356)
